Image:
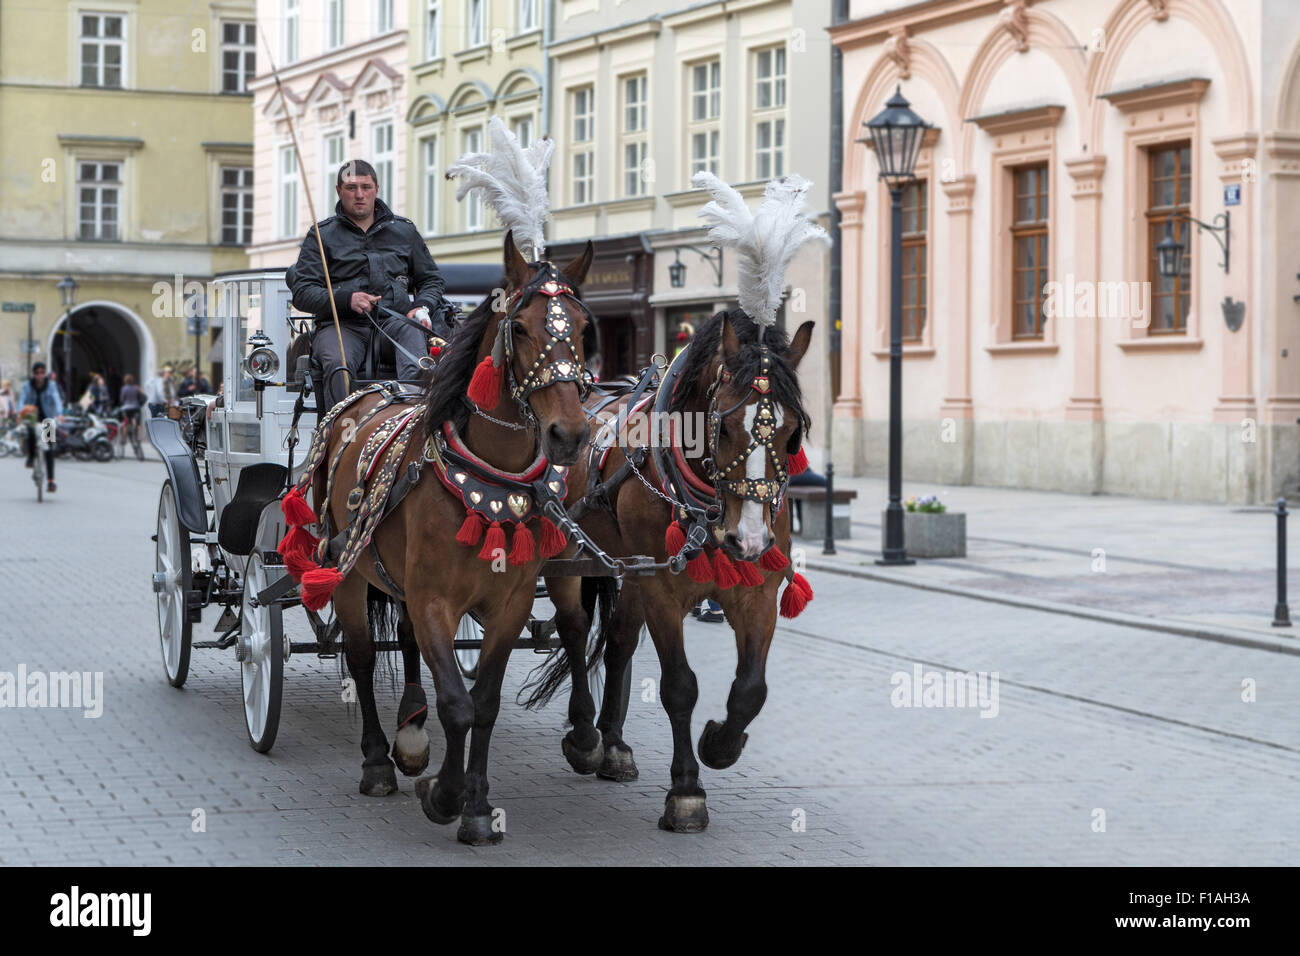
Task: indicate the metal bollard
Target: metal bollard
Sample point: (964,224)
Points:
(828,545)
(1281,613)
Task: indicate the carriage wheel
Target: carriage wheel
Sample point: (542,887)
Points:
(260,652)
(171,583)
(467,657)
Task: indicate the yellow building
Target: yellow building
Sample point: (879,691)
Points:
(127,152)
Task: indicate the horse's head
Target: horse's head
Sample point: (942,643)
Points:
(756,422)
(539,342)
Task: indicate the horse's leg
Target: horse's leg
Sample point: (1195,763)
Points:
(685,810)
(581,745)
(753,615)
(434,626)
(625,629)
(411,746)
(377,776)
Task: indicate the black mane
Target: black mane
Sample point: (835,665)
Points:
(695,377)
(448,381)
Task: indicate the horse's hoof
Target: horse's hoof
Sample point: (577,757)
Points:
(684,814)
(712,755)
(435,804)
(378,780)
(478,831)
(411,759)
(583,761)
(618,764)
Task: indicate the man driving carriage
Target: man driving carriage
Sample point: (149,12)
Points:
(378,266)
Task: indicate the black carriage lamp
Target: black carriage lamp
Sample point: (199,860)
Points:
(897,134)
(1169,251)
(677,271)
(262,364)
(68,291)
(68,296)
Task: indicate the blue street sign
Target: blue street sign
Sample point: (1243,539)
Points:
(1232,194)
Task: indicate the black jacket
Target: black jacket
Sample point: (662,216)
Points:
(389,260)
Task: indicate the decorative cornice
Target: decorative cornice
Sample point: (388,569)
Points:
(1019,120)
(915,16)
(959,192)
(1015,20)
(1086,171)
(1159,9)
(118,142)
(928,139)
(1237,146)
(1284,149)
(1171,93)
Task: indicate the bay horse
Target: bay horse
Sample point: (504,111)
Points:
(747,391)
(521,355)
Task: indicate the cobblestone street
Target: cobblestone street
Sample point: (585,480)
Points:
(1146,732)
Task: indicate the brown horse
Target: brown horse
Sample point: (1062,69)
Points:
(723,381)
(429,572)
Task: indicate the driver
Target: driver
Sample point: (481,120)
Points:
(377,260)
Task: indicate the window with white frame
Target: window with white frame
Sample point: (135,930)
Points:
(333,24)
(381,141)
(522,127)
(332,150)
(475,23)
(99,200)
(383,15)
(102,41)
(702,115)
(287,191)
(769,113)
(236,205)
(430,183)
(290,17)
(526,17)
(633,113)
(432,29)
(471,141)
(238,56)
(582,105)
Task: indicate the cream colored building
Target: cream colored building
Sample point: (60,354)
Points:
(1048,352)
(127,143)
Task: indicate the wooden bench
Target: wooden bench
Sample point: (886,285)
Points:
(809,503)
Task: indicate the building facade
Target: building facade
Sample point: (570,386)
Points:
(127,153)
(1043,346)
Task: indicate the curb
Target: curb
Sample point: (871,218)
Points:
(1199,632)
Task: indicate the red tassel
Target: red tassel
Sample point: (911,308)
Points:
(435,351)
(471,530)
(749,575)
(674,539)
(494,543)
(802,584)
(796,596)
(773,559)
(318,586)
(724,572)
(699,568)
(485,386)
(553,540)
(298,541)
(798,462)
(298,564)
(521,550)
(296,510)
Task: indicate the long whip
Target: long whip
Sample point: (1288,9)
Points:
(311,209)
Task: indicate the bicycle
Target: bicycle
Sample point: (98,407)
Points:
(36,433)
(128,429)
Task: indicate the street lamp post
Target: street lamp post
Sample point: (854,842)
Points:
(68,295)
(896,133)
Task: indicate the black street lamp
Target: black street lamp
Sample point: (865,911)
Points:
(68,296)
(677,270)
(196,315)
(897,134)
(1169,251)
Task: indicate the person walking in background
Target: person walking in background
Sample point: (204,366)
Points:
(161,391)
(40,400)
(7,407)
(194,384)
(99,397)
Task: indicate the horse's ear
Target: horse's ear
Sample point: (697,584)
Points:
(799,344)
(576,271)
(730,343)
(517,272)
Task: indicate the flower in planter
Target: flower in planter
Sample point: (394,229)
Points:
(910,503)
(926,504)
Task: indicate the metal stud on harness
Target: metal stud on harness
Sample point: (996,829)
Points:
(761,435)
(559,329)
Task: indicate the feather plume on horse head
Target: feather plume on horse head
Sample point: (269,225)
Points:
(764,241)
(512,181)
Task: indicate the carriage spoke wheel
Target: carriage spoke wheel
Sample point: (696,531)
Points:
(171,585)
(467,657)
(260,651)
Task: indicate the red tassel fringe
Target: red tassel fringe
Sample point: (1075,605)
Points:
(796,596)
(296,510)
(318,586)
(298,564)
(471,530)
(296,549)
(494,542)
(798,463)
(749,575)
(699,568)
(485,386)
(773,559)
(724,572)
(674,539)
(553,540)
(435,351)
(521,550)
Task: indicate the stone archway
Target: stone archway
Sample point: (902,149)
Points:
(106,338)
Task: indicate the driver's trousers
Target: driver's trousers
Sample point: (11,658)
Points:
(325,347)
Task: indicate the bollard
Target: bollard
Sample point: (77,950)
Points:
(1281,613)
(828,545)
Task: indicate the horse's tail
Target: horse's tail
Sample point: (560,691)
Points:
(599,598)
(382,613)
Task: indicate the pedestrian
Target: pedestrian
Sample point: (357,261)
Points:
(99,396)
(377,261)
(131,398)
(40,401)
(194,384)
(161,391)
(7,407)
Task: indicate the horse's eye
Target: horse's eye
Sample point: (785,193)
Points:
(723,430)
(518,328)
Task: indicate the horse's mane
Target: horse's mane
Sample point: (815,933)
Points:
(695,378)
(447,382)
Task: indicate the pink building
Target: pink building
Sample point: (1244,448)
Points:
(343,67)
(1043,349)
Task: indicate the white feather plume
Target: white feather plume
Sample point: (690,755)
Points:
(512,182)
(764,241)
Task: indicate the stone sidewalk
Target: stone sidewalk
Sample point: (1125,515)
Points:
(1201,569)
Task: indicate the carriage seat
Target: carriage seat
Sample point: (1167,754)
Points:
(379,364)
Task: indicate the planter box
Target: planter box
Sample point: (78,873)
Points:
(933,535)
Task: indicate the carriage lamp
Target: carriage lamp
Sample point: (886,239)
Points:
(1169,251)
(262,364)
(677,269)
